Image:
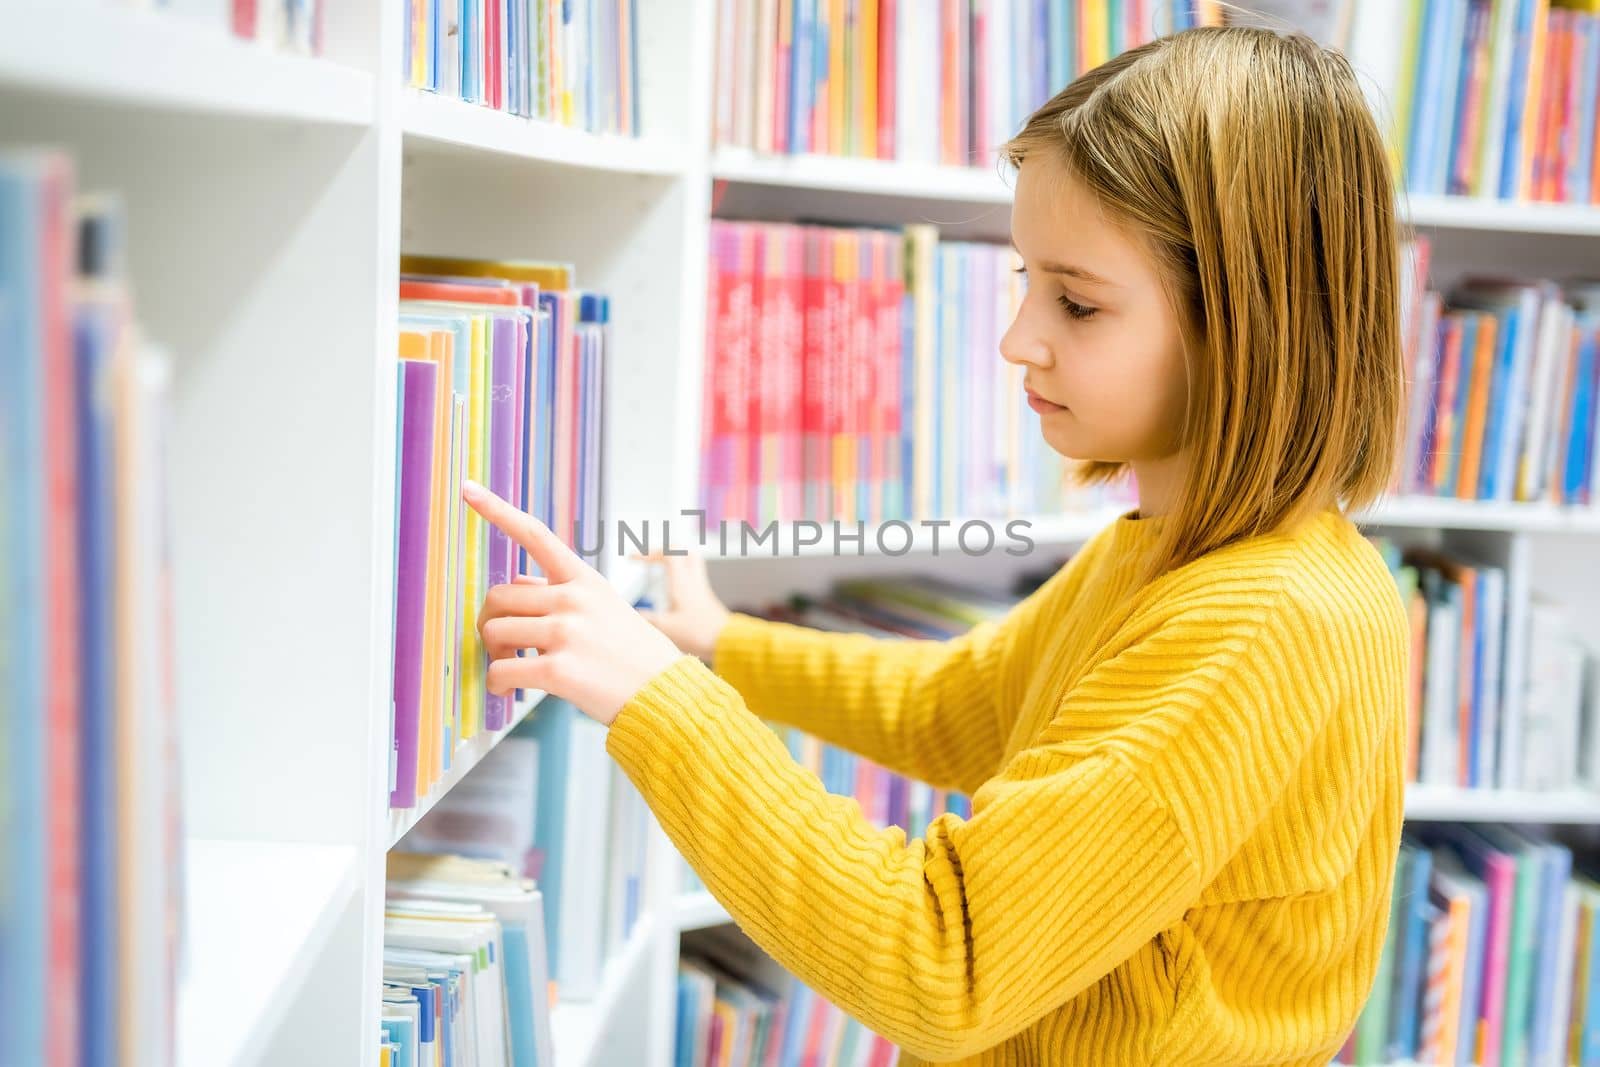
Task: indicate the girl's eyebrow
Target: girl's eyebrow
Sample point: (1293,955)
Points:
(1081,273)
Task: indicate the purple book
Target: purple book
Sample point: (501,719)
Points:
(411,569)
(502,475)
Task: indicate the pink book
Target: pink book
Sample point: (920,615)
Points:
(816,458)
(63,682)
(418,381)
(791,355)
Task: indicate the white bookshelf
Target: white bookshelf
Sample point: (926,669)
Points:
(269,198)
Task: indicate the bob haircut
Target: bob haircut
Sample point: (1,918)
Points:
(1249,165)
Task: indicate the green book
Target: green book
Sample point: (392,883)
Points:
(1372,1028)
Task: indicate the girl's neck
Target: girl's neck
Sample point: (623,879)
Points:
(1158,481)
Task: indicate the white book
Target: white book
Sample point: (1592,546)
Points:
(1503,43)
(1566,946)
(764,70)
(907,67)
(1001,116)
(1549,731)
(1552,349)
(583,868)
(744,44)
(1374,45)
(1439,764)
(450,48)
(726,86)
(1589,755)
(1516,396)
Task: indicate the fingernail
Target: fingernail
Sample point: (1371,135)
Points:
(471,490)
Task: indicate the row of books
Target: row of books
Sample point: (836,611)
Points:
(729,1021)
(540,803)
(1492,956)
(465,982)
(499,380)
(91,848)
(929,81)
(1467,727)
(1490,98)
(855,374)
(293,26)
(571,62)
(1504,377)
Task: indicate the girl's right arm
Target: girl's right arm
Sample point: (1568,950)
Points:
(933,710)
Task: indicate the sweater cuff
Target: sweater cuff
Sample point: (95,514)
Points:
(736,641)
(665,719)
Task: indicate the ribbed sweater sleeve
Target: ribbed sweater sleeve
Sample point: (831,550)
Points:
(932,710)
(945,945)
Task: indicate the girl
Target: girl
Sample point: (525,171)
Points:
(1184,751)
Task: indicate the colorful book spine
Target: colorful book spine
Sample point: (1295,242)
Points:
(570,62)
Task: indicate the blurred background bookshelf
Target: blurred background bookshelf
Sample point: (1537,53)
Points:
(270,173)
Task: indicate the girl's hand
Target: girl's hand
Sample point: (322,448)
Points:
(694,617)
(593,648)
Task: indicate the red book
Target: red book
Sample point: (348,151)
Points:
(244,18)
(713,427)
(741,367)
(790,355)
(461,293)
(63,700)
(813,372)
(888,388)
(760,398)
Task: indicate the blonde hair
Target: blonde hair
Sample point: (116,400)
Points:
(1249,163)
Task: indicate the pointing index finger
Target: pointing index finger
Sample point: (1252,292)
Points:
(559,562)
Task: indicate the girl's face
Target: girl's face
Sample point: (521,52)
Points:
(1096,337)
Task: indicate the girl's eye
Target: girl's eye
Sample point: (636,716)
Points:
(1075,309)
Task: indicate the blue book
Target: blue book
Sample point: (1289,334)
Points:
(1521,57)
(1511,325)
(1063,31)
(1575,472)
(95,337)
(1413,961)
(1555,870)
(1446,89)
(1469,347)
(22,654)
(1425,102)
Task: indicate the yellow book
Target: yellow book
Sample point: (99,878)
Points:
(1531,123)
(1483,360)
(922,243)
(440,348)
(867,123)
(553,276)
(837,85)
(730,1022)
(477,535)
(1583,973)
(419,45)
(1096,33)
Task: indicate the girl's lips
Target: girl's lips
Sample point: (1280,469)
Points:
(1040,404)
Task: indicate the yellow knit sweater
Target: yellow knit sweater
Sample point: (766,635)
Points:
(1186,805)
